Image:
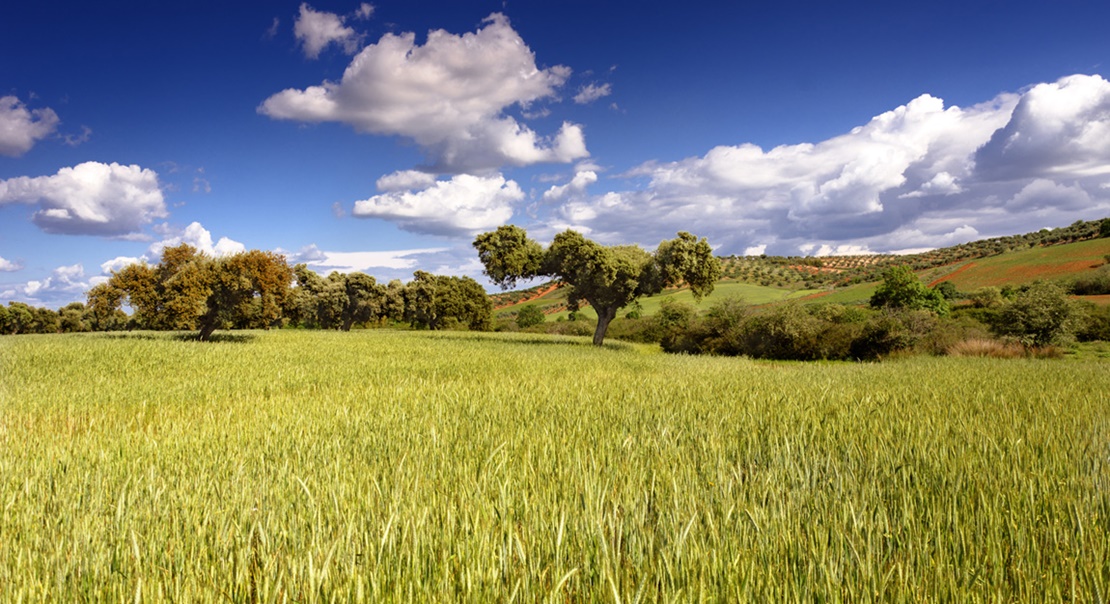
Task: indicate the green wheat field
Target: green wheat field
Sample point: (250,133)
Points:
(296,466)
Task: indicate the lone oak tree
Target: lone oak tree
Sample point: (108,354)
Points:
(607,277)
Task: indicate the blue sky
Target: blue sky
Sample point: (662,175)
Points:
(383,136)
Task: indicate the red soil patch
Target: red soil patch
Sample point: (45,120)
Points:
(539,294)
(1050,270)
(814,270)
(1103,300)
(963,268)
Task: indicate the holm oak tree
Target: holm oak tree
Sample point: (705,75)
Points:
(607,277)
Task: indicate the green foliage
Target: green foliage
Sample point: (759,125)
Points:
(901,289)
(72,318)
(508,255)
(891,332)
(987,297)
(690,261)
(438,302)
(1040,315)
(20,318)
(947,290)
(1104,228)
(189,290)
(608,278)
(529,316)
(247,289)
(785,331)
(1095,324)
(1097,283)
(102,310)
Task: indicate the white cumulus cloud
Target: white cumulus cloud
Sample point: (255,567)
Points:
(199,237)
(921,175)
(21,128)
(349,262)
(119,262)
(7,266)
(64,285)
(90,199)
(592,92)
(1058,128)
(577,186)
(315,30)
(464,204)
(448,95)
(406,180)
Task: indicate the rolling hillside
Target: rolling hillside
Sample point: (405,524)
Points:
(1058,255)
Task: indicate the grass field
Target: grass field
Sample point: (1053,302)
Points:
(408,466)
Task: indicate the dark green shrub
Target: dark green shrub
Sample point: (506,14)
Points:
(785,331)
(529,316)
(901,289)
(892,332)
(1095,284)
(1096,324)
(1040,315)
(947,290)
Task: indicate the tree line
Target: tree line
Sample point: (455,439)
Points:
(188,290)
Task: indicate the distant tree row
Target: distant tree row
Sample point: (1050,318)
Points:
(17,318)
(340,301)
(192,291)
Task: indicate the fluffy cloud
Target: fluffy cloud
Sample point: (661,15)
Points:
(199,237)
(920,175)
(448,95)
(7,266)
(592,92)
(316,30)
(21,128)
(465,204)
(406,180)
(349,262)
(1062,128)
(119,262)
(576,187)
(64,285)
(90,199)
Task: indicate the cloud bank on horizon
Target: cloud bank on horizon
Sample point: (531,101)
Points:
(918,176)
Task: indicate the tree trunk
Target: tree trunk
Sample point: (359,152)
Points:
(206,330)
(604,317)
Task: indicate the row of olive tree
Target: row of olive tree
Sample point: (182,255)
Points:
(17,318)
(190,290)
(340,301)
